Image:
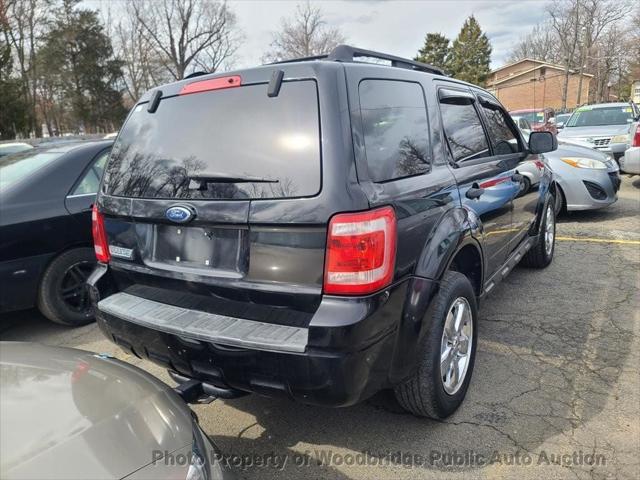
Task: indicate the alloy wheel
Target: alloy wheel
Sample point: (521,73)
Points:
(549,231)
(455,348)
(73,289)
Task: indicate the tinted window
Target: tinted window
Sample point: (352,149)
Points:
(91,179)
(394,118)
(218,144)
(502,138)
(463,129)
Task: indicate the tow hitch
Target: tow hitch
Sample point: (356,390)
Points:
(198,392)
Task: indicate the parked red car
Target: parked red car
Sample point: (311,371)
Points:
(541,119)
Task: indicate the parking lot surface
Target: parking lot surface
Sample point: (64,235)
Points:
(555,392)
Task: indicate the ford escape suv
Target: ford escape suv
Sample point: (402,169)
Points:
(320,229)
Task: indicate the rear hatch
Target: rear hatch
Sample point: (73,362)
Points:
(212,199)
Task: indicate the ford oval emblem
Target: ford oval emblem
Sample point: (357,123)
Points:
(179,214)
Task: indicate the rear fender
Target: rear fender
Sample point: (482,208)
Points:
(454,231)
(457,227)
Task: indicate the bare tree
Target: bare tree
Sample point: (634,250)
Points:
(22,23)
(540,44)
(578,25)
(141,64)
(186,33)
(305,34)
(565,20)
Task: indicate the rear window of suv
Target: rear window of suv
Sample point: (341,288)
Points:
(236,143)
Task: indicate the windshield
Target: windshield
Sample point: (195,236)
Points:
(14,168)
(236,143)
(595,117)
(531,117)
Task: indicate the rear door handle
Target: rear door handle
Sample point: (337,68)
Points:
(474,192)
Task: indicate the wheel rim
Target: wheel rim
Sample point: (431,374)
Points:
(73,289)
(549,231)
(456,345)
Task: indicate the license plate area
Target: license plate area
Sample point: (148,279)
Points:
(202,250)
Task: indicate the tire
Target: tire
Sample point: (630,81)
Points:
(425,393)
(62,296)
(526,185)
(559,201)
(541,254)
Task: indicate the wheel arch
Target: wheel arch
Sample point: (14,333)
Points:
(54,256)
(455,233)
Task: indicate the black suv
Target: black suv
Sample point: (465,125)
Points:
(321,228)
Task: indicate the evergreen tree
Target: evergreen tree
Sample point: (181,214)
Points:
(435,50)
(78,63)
(470,54)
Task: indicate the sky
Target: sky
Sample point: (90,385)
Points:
(396,27)
(392,26)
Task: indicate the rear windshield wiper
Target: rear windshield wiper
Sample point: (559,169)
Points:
(204,179)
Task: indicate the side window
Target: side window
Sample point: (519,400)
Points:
(90,181)
(396,132)
(502,137)
(463,129)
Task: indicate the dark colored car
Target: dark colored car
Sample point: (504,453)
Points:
(319,229)
(541,119)
(46,249)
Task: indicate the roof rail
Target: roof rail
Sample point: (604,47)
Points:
(347,53)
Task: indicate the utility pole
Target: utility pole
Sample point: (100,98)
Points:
(583,59)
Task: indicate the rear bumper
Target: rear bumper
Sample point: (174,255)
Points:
(355,347)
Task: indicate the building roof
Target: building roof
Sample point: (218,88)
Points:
(541,65)
(515,63)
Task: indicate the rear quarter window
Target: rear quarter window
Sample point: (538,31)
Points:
(396,132)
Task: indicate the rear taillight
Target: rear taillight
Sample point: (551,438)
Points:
(361,252)
(636,138)
(100,244)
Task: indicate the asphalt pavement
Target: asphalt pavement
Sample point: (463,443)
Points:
(555,392)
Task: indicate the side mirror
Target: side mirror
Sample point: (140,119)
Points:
(542,142)
(560,125)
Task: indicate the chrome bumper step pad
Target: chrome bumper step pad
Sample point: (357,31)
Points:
(204,326)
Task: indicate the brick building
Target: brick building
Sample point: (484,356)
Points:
(532,83)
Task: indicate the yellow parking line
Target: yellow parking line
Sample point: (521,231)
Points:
(598,240)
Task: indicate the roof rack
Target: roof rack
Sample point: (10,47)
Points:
(347,53)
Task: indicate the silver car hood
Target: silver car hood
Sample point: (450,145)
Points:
(73,414)
(590,132)
(571,149)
